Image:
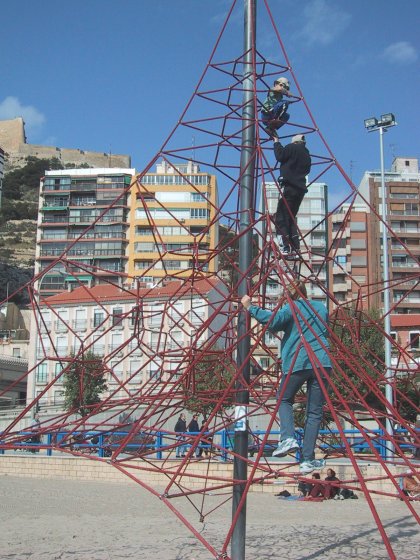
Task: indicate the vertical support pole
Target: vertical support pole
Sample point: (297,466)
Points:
(327,236)
(247,170)
(387,318)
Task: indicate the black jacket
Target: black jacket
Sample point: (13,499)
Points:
(193,426)
(295,163)
(180,426)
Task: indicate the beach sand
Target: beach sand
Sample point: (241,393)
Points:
(78,520)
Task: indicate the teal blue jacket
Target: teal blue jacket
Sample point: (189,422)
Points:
(312,317)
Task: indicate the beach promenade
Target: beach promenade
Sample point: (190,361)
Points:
(51,519)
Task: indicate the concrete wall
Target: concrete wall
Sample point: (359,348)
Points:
(68,467)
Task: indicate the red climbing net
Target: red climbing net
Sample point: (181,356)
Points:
(133,426)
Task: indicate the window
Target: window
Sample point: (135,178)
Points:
(117,372)
(357,226)
(176,341)
(80,322)
(117,341)
(98,317)
(58,397)
(135,375)
(340,259)
(154,373)
(156,315)
(42,373)
(117,316)
(198,197)
(415,340)
(200,214)
(270,339)
(155,338)
(411,209)
(16,352)
(57,370)
(358,243)
(359,260)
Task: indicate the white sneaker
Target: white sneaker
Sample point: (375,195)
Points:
(289,445)
(315,465)
(278,240)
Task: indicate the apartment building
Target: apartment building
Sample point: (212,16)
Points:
(14,342)
(357,240)
(83,218)
(173,230)
(143,337)
(354,250)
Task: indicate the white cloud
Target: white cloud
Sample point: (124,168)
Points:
(401,53)
(323,21)
(11,107)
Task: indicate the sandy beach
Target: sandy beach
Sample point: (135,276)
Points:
(78,520)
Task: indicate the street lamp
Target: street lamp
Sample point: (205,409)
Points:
(372,124)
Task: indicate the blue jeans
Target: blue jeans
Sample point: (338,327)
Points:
(181,449)
(314,404)
(278,112)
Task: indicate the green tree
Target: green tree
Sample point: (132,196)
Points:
(207,382)
(19,183)
(359,348)
(84,382)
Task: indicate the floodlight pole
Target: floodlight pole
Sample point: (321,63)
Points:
(373,124)
(247,174)
(389,393)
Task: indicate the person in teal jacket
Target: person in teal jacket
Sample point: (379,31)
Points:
(305,359)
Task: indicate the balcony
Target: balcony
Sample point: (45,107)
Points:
(98,349)
(47,219)
(62,350)
(79,324)
(80,186)
(61,326)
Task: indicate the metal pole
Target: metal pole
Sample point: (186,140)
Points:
(247,170)
(387,319)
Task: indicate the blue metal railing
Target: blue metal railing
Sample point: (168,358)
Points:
(161,443)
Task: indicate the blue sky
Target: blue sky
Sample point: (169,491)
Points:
(106,75)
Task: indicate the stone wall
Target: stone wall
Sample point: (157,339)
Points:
(69,467)
(13,142)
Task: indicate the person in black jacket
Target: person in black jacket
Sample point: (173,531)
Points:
(295,164)
(194,428)
(180,429)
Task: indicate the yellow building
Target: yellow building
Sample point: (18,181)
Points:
(173,223)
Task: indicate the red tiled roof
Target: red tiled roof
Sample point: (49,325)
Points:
(406,320)
(105,293)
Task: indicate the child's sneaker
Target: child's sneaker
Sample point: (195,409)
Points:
(289,445)
(315,465)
